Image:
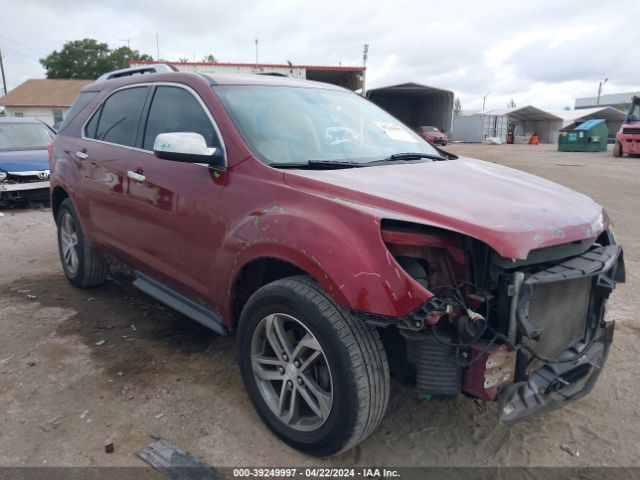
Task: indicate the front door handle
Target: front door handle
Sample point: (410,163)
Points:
(82,155)
(136,176)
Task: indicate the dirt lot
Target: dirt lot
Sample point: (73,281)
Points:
(80,367)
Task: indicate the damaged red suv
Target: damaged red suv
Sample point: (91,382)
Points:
(340,247)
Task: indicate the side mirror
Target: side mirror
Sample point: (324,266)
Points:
(188,147)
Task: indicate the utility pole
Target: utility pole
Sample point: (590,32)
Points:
(128,40)
(4,79)
(600,90)
(256,53)
(484,99)
(365,56)
(157,47)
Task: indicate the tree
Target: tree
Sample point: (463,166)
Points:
(88,59)
(457,108)
(567,107)
(210,59)
(183,59)
(511,104)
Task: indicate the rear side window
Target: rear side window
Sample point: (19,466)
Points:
(117,120)
(175,109)
(79,103)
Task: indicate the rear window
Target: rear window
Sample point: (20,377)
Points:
(117,120)
(79,103)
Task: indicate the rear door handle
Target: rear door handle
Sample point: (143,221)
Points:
(82,155)
(136,176)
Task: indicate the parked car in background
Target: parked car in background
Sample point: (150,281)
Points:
(433,135)
(24,161)
(338,245)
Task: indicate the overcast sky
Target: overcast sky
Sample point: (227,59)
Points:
(544,53)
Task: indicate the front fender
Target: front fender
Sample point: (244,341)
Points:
(339,244)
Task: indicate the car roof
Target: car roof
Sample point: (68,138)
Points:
(212,79)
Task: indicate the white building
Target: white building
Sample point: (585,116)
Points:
(348,77)
(621,101)
(46,99)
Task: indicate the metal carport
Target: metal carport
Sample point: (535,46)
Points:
(496,123)
(416,105)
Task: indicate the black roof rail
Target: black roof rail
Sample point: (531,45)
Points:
(125,72)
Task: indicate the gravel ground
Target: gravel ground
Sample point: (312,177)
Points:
(81,367)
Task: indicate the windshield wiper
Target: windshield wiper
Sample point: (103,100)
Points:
(318,164)
(412,156)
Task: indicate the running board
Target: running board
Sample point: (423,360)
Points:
(180,303)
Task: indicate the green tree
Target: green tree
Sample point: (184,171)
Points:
(88,59)
(511,104)
(457,108)
(183,59)
(210,59)
(567,107)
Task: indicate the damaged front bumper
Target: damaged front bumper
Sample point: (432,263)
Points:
(573,373)
(555,384)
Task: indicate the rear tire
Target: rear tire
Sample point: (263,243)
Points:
(351,367)
(81,265)
(617,150)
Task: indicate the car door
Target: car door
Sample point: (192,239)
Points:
(108,139)
(173,207)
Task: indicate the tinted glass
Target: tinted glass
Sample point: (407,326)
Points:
(176,110)
(294,125)
(118,121)
(24,136)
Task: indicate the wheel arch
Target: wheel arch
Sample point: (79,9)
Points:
(261,270)
(58,195)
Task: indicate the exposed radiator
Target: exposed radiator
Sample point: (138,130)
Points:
(560,309)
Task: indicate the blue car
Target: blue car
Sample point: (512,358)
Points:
(24,160)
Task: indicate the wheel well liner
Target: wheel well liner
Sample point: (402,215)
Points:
(57,197)
(254,275)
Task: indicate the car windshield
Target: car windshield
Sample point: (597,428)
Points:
(292,125)
(24,136)
(430,130)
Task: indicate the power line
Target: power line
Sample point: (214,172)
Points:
(20,44)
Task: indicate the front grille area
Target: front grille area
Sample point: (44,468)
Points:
(631,130)
(11,178)
(560,309)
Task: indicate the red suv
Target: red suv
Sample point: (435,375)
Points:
(339,246)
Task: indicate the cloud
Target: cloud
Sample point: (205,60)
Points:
(544,52)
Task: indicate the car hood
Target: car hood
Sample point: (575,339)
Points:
(511,211)
(24,160)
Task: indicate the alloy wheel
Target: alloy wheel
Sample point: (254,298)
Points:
(69,243)
(292,372)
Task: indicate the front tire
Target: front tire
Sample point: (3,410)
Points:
(317,377)
(617,149)
(81,265)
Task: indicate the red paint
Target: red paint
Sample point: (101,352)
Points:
(194,229)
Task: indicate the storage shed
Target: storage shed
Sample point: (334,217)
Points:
(496,123)
(589,136)
(613,117)
(416,105)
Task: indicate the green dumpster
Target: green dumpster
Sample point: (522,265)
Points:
(590,136)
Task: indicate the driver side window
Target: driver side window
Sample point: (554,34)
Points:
(175,109)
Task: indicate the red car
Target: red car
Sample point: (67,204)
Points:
(433,135)
(338,245)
